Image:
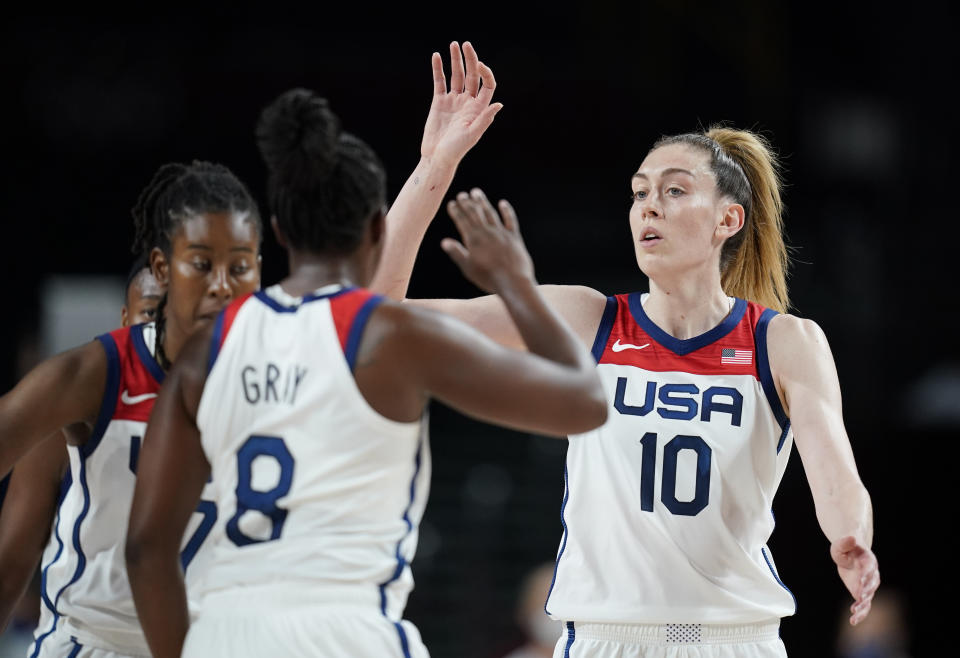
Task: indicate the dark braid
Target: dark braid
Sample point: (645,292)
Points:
(161,325)
(324,185)
(176,193)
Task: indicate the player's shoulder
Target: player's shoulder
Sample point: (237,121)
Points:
(410,319)
(583,299)
(791,338)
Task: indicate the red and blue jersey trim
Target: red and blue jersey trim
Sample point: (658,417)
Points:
(626,336)
(351,311)
(349,307)
(221,327)
(132,374)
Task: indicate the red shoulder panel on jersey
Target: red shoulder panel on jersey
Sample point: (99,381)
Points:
(344,309)
(731,351)
(138,388)
(229,315)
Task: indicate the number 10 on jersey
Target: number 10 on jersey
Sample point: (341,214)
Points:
(668,484)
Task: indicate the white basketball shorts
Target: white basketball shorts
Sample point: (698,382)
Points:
(314,631)
(583,640)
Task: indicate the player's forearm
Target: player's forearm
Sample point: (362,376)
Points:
(160,597)
(844,509)
(13,583)
(407,221)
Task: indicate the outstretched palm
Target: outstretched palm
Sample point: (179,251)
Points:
(460,116)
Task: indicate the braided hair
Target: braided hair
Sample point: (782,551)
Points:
(176,193)
(324,185)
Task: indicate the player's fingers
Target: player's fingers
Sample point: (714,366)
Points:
(459,217)
(456,68)
(859,612)
(471,209)
(509,216)
(456,251)
(487,211)
(489,83)
(439,79)
(472,80)
(479,125)
(869,584)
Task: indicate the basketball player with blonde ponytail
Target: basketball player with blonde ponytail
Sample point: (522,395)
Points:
(709,381)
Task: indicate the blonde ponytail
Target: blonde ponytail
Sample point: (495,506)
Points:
(754,262)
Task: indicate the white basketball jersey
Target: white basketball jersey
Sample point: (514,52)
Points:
(318,492)
(667,507)
(85,594)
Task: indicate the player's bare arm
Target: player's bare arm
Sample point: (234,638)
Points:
(580,307)
(26,518)
(806,376)
(64,389)
(490,382)
(170,479)
(458,117)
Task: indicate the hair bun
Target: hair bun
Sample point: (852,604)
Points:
(298,135)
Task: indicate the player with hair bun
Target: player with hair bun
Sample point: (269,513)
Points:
(305,405)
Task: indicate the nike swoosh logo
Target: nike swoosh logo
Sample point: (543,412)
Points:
(618,347)
(136,399)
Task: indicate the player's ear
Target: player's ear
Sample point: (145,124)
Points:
(124,316)
(731,221)
(159,266)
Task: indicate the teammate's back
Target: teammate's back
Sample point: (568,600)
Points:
(313,486)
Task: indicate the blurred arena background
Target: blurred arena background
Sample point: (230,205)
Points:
(853,97)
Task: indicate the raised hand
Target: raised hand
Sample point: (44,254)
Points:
(459,116)
(858,569)
(492,254)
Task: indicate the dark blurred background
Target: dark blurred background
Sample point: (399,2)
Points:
(853,97)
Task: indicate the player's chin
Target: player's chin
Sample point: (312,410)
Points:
(201,321)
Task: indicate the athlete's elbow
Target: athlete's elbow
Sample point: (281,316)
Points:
(597,409)
(139,551)
(590,407)
(133,553)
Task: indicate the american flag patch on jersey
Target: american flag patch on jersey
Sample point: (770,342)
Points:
(728,355)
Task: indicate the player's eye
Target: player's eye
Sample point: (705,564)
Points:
(639,195)
(674,191)
(201,265)
(150,312)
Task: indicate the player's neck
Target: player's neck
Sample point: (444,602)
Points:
(311,271)
(686,309)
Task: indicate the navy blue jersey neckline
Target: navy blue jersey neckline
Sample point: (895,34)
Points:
(684,346)
(148,360)
(280,307)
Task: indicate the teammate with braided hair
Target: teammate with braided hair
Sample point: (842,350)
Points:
(206,229)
